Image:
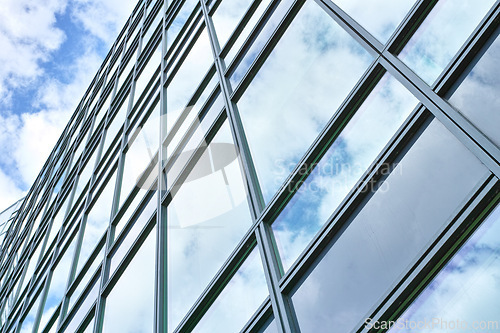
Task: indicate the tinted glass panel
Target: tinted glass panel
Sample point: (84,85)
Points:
(346,160)
(246,31)
(58,284)
(130,305)
(389,14)
(180,20)
(188,77)
(227,16)
(478,98)
(440,37)
(132,234)
(292,97)
(209,209)
(408,209)
(142,148)
(29,320)
(239,300)
(97,221)
(256,45)
(466,289)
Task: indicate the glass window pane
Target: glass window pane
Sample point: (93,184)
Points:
(466,289)
(407,210)
(86,278)
(129,210)
(152,27)
(58,219)
(180,20)
(478,98)
(85,175)
(227,16)
(197,136)
(131,303)
(291,99)
(29,320)
(359,143)
(147,73)
(258,44)
(141,153)
(97,221)
(32,265)
(188,77)
(58,284)
(246,31)
(117,123)
(269,327)
(209,208)
(440,37)
(84,308)
(125,71)
(132,234)
(389,14)
(244,293)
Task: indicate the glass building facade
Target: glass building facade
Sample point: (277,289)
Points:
(272,166)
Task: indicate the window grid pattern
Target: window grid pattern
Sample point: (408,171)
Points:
(33,241)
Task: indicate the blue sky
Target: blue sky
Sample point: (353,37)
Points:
(49,52)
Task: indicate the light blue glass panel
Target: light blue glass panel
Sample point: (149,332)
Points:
(465,295)
(441,35)
(389,232)
(478,96)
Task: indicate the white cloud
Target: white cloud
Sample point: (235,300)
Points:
(102,18)
(27,138)
(24,45)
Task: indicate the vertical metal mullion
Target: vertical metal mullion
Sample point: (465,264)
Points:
(161,265)
(285,318)
(101,301)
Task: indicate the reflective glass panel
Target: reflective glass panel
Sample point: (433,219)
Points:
(440,37)
(84,308)
(97,221)
(185,150)
(188,77)
(117,122)
(152,27)
(209,208)
(125,71)
(227,16)
(269,327)
(241,297)
(256,45)
(131,303)
(32,264)
(132,234)
(246,31)
(406,211)
(180,20)
(29,320)
(58,284)
(147,73)
(58,219)
(478,96)
(359,143)
(465,295)
(85,175)
(86,278)
(140,156)
(389,13)
(292,97)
